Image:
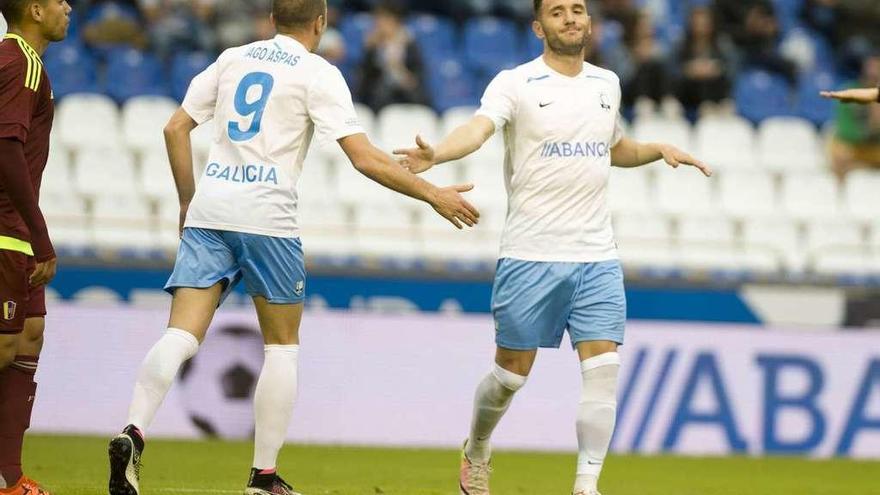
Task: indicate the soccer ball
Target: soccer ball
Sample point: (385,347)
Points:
(218,383)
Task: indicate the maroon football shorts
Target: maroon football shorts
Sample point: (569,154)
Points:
(18,300)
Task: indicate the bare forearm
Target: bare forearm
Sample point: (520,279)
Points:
(629,154)
(179,146)
(461,142)
(381,168)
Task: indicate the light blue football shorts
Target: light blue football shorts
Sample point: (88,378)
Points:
(272,267)
(535,302)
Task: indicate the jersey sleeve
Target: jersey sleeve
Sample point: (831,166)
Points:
(499,101)
(16,101)
(201,97)
(619,131)
(330,107)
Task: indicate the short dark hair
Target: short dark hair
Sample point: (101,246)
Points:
(394,8)
(13,10)
(538,4)
(293,14)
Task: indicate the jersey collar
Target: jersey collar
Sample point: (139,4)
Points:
(20,40)
(280,38)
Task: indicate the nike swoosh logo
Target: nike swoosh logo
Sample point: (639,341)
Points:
(591,463)
(542,105)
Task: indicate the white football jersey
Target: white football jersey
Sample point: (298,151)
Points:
(266,100)
(558,135)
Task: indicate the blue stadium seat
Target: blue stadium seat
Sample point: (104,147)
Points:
(71,68)
(760,95)
(435,35)
(184,68)
(451,84)
(533,46)
(354,29)
(788,12)
(131,73)
(811,105)
(491,44)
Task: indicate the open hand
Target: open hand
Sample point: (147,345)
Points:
(675,158)
(450,204)
(416,160)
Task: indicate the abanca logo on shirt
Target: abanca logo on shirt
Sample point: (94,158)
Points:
(577,149)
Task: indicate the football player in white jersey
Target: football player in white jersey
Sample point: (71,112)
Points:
(266,99)
(558,267)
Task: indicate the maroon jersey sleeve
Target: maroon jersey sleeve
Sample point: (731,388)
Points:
(17,94)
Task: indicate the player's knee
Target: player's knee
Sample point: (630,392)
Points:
(8,350)
(508,379)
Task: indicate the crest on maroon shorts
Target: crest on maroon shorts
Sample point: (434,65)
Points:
(9,310)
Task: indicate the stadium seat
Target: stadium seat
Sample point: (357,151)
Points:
(87,121)
(789,144)
(71,68)
(451,84)
(354,29)
(645,241)
(676,132)
(760,95)
(439,240)
(57,176)
(837,248)
(684,191)
(156,180)
(862,194)
(630,191)
(184,67)
(811,196)
(66,218)
(485,170)
(123,222)
(367,118)
(397,125)
(356,190)
(167,223)
(491,44)
(385,231)
(747,194)
(143,119)
(726,142)
(327,228)
(105,172)
(132,73)
(811,105)
(436,36)
(708,243)
(454,117)
(779,237)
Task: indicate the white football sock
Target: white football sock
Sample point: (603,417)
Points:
(596,416)
(157,374)
(273,403)
(492,399)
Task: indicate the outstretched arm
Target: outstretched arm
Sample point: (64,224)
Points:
(461,142)
(380,167)
(629,153)
(863,96)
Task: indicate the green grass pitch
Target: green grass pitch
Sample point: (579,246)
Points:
(78,466)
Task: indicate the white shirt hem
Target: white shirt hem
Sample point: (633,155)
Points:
(286,234)
(561,257)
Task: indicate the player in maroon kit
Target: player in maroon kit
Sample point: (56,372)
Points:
(27,259)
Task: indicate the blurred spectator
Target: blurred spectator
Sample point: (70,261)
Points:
(238,22)
(178,25)
(704,62)
(332,46)
(857,141)
(760,43)
(392,70)
(109,23)
(642,68)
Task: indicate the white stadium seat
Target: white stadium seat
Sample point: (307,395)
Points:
(778,237)
(88,121)
(747,194)
(440,240)
(143,121)
(385,230)
(454,117)
(57,175)
(156,179)
(399,124)
(123,222)
(726,143)
(105,172)
(684,191)
(327,228)
(706,243)
(676,131)
(862,194)
(836,247)
(367,118)
(811,196)
(630,190)
(645,240)
(66,218)
(789,144)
